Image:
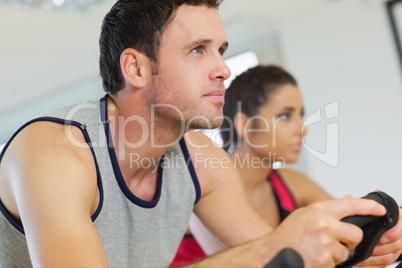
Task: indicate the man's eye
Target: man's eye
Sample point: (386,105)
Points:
(197,50)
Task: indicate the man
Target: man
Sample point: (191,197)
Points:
(112,183)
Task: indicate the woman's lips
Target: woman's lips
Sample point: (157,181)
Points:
(297,147)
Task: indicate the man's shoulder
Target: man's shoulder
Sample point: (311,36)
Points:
(73,111)
(41,155)
(211,163)
(198,142)
(47,139)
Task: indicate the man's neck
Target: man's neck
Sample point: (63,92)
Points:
(139,145)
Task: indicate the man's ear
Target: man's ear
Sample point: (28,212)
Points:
(240,123)
(136,67)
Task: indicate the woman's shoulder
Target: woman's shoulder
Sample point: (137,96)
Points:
(292,176)
(305,190)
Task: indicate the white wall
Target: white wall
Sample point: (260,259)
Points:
(13,118)
(47,59)
(345,52)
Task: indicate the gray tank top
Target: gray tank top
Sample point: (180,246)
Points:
(134,232)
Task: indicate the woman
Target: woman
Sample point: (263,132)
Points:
(263,125)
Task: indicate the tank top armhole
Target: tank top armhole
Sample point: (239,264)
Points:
(3,209)
(191,169)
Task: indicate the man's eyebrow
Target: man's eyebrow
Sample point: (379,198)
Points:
(199,42)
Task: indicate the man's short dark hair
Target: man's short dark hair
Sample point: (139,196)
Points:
(136,24)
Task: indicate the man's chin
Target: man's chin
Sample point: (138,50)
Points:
(202,124)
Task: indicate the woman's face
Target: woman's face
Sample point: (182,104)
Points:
(276,132)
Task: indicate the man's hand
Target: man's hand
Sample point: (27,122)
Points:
(319,236)
(388,249)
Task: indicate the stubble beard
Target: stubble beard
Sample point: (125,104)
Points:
(174,113)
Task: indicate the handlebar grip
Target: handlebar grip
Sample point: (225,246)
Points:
(287,258)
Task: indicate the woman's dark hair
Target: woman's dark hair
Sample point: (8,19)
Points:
(249,92)
(137,24)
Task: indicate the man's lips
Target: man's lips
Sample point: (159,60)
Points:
(217,95)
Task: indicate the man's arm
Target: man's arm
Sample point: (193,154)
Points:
(221,194)
(307,192)
(53,190)
(316,231)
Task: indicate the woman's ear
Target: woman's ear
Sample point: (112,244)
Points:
(240,123)
(136,67)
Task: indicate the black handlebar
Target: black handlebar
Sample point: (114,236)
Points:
(287,258)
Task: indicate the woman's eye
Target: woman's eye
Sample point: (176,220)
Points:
(284,116)
(221,51)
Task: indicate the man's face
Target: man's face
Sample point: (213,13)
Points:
(191,69)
